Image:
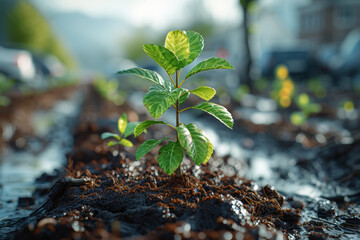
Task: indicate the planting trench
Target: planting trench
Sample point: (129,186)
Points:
(103,193)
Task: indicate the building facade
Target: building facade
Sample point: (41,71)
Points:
(328,21)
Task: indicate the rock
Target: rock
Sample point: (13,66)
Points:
(25,202)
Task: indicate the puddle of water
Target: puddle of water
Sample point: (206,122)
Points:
(259,117)
(18,170)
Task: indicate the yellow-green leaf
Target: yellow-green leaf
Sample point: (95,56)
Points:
(146,74)
(218,111)
(163,56)
(210,151)
(144,125)
(122,122)
(196,42)
(109,135)
(204,92)
(178,43)
(126,143)
(210,64)
(195,142)
(112,143)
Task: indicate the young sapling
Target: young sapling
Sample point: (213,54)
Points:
(181,48)
(125,129)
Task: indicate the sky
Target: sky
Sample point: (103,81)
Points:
(112,22)
(160,13)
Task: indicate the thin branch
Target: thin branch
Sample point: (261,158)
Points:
(178,78)
(171,126)
(181,83)
(185,109)
(184,93)
(171,80)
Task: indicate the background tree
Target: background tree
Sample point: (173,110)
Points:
(245,75)
(27,27)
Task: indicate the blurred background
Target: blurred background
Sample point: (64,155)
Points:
(296,82)
(312,38)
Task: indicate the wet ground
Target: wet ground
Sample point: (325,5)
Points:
(310,173)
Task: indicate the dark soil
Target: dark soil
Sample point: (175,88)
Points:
(105,194)
(20,111)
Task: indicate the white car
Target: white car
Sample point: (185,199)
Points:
(17,64)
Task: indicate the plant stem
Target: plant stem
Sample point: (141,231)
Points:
(172,79)
(184,109)
(178,170)
(182,82)
(177,101)
(171,126)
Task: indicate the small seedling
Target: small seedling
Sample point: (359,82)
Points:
(125,130)
(307,108)
(109,89)
(181,48)
(283,87)
(5,85)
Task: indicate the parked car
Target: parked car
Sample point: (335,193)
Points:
(48,65)
(342,60)
(325,55)
(17,64)
(299,62)
(348,58)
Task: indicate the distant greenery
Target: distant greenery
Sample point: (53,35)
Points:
(69,79)
(306,107)
(283,89)
(27,27)
(5,85)
(241,92)
(109,89)
(316,87)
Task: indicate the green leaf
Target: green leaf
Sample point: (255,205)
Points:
(196,45)
(147,146)
(146,74)
(298,118)
(130,128)
(112,143)
(184,95)
(178,43)
(312,108)
(144,125)
(4,101)
(109,135)
(126,143)
(158,101)
(163,56)
(210,64)
(168,86)
(204,92)
(170,157)
(210,151)
(122,122)
(194,141)
(218,111)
